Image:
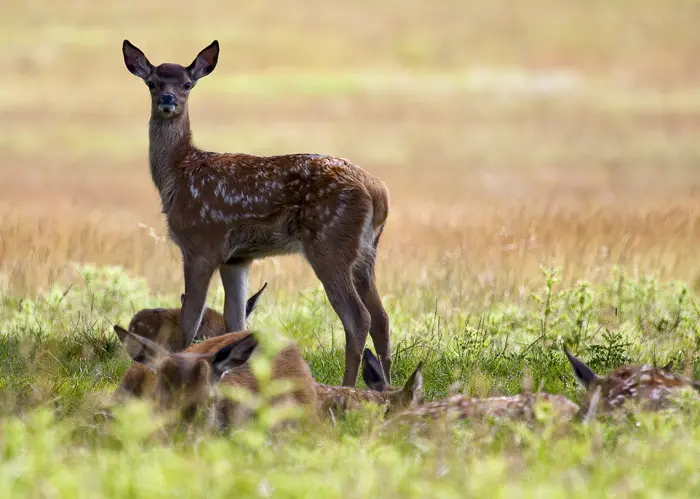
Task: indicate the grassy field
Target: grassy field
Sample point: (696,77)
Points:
(541,158)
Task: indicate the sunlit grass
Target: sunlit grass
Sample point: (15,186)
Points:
(59,360)
(516,138)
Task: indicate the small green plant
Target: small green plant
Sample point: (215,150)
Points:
(59,361)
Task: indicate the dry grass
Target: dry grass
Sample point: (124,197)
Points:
(583,157)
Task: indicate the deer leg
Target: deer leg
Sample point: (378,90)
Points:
(234,277)
(354,317)
(366,286)
(198,272)
(337,281)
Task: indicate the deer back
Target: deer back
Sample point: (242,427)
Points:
(288,364)
(515,407)
(335,400)
(651,388)
(644,386)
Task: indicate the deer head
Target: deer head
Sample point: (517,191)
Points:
(249,305)
(185,381)
(398,398)
(169,84)
(162,325)
(652,387)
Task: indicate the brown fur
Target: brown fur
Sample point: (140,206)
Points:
(335,400)
(458,407)
(162,325)
(644,386)
(225,210)
(144,382)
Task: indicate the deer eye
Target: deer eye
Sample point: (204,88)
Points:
(150,85)
(187,86)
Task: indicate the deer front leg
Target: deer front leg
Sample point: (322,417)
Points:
(198,272)
(234,277)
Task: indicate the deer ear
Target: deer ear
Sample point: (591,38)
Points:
(253,301)
(205,62)
(372,372)
(135,60)
(233,355)
(145,351)
(583,373)
(121,333)
(414,386)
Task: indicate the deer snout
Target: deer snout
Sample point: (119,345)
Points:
(167,102)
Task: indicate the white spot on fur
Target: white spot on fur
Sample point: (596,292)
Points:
(338,216)
(221,217)
(203,211)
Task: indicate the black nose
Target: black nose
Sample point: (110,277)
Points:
(166,99)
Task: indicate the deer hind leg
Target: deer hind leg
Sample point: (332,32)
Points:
(332,254)
(198,272)
(352,313)
(365,283)
(234,277)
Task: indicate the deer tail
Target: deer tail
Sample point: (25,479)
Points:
(379,193)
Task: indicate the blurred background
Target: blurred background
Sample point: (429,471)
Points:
(511,133)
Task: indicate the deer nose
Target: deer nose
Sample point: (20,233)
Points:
(166,99)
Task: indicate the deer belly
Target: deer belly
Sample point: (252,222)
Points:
(253,244)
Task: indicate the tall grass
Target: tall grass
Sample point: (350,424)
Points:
(59,360)
(541,160)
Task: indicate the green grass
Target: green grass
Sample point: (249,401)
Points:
(59,360)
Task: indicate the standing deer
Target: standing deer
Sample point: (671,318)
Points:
(225,210)
(651,387)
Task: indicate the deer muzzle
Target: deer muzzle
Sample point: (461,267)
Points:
(167,103)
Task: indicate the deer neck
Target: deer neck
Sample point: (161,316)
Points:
(169,143)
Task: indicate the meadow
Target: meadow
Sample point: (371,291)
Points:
(541,158)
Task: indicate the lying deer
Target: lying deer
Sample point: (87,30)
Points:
(458,407)
(334,400)
(162,325)
(650,387)
(186,381)
(226,210)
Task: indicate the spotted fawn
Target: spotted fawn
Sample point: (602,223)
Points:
(162,325)
(225,210)
(335,400)
(648,387)
(185,382)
